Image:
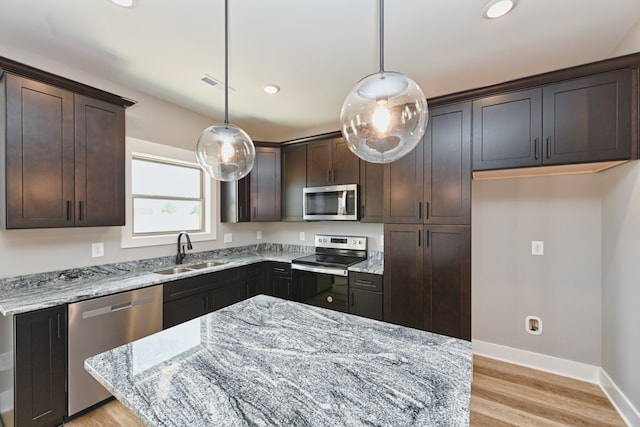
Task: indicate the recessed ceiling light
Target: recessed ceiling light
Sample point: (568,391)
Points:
(124,3)
(271,89)
(498,8)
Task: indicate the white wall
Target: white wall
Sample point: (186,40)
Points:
(621,278)
(562,287)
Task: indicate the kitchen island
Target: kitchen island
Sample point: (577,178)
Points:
(267,361)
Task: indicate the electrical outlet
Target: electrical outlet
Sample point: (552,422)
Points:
(537,247)
(302,236)
(259,235)
(533,325)
(97,250)
(228,237)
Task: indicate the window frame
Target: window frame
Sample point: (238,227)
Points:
(138,148)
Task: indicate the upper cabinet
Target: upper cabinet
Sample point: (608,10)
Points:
(255,197)
(330,162)
(581,120)
(294,179)
(64,156)
(432,184)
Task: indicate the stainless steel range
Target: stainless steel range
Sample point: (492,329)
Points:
(322,279)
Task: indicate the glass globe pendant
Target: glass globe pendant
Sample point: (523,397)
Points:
(385,115)
(224,151)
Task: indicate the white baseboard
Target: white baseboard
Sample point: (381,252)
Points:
(625,408)
(541,362)
(566,368)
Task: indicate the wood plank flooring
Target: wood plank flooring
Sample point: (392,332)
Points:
(502,394)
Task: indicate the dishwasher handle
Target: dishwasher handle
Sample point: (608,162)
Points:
(116,307)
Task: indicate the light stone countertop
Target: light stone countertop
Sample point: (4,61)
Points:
(267,361)
(32,292)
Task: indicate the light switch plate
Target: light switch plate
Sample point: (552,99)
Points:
(302,236)
(259,235)
(228,237)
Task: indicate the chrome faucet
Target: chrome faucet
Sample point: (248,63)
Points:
(181,254)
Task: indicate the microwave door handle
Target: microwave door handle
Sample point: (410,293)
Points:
(342,206)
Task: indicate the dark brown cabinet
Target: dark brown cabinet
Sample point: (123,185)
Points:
(365,295)
(279,280)
(191,297)
(371,197)
(294,179)
(432,184)
(64,157)
(255,197)
(40,367)
(330,162)
(429,283)
(427,237)
(582,120)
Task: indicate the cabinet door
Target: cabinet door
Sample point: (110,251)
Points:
(265,185)
(365,304)
(183,309)
(39,155)
(507,130)
(371,194)
(41,363)
(319,164)
(403,275)
(403,188)
(294,179)
(235,205)
(346,165)
(588,119)
(447,165)
(99,163)
(447,274)
(226,295)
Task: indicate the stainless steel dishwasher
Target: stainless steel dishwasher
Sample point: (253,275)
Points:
(100,324)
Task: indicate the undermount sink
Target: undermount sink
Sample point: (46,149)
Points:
(174,270)
(191,267)
(207,264)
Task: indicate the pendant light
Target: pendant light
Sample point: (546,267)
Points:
(385,115)
(224,151)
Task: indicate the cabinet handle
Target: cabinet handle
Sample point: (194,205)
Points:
(535,148)
(255,212)
(240,212)
(329,175)
(333,175)
(419,238)
(426,210)
(58,326)
(353,299)
(427,238)
(548,147)
(279,270)
(68,210)
(419,210)
(81,211)
(362,213)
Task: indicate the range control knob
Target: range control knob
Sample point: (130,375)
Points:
(329,298)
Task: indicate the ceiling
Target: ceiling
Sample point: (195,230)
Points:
(315,50)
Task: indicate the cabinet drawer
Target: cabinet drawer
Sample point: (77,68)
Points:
(366,281)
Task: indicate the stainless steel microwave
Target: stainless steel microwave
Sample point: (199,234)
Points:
(330,203)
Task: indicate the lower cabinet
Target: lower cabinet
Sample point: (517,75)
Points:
(278,283)
(188,298)
(427,277)
(365,295)
(40,367)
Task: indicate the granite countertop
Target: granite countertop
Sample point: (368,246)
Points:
(267,361)
(32,292)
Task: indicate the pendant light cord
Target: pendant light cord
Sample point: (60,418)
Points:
(381,36)
(226,62)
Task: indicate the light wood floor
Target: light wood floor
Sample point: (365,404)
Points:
(502,394)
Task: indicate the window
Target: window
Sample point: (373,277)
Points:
(167,196)
(167,192)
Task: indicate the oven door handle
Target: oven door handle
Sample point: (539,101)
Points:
(323,270)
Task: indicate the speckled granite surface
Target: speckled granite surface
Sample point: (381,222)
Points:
(266,361)
(22,294)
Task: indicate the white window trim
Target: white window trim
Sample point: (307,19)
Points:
(141,147)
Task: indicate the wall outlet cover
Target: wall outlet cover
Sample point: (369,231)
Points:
(302,236)
(97,250)
(259,235)
(228,237)
(537,247)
